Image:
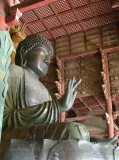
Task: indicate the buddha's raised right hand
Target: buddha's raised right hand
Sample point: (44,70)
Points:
(67,100)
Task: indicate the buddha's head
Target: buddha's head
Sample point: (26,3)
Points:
(34,54)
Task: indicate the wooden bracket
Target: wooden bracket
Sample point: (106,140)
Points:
(15,12)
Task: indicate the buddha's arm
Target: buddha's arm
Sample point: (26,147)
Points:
(48,112)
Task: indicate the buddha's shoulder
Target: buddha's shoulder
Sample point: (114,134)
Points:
(16,71)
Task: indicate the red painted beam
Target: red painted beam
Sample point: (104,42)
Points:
(4,10)
(31,4)
(16,11)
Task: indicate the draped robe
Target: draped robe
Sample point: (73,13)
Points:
(30,113)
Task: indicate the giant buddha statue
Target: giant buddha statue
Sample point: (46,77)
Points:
(29,112)
(31,122)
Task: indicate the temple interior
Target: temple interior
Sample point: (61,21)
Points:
(81,32)
(85,38)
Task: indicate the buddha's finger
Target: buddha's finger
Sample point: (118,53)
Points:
(77,83)
(74,95)
(71,82)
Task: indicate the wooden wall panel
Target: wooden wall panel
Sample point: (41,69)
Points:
(89,40)
(89,70)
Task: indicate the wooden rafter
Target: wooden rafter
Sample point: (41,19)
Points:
(97,133)
(85,117)
(29,5)
(84,103)
(99,102)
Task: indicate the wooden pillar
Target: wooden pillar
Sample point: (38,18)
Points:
(62,115)
(107,93)
(110,127)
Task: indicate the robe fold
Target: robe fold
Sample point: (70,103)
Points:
(28,118)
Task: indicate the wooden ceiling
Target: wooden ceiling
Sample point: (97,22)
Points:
(66,17)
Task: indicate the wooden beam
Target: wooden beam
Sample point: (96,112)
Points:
(95,112)
(115,5)
(85,104)
(99,102)
(85,117)
(98,105)
(83,54)
(75,56)
(76,111)
(31,4)
(98,133)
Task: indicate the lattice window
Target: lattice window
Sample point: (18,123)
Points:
(46,34)
(103,8)
(79,3)
(44,11)
(85,13)
(61,6)
(59,32)
(74,28)
(37,27)
(29,17)
(52,22)
(94,1)
(107,19)
(68,18)
(90,24)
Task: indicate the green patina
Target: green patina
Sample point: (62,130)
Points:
(6,48)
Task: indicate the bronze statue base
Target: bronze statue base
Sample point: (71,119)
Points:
(60,150)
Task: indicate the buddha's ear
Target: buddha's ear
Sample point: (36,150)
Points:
(23,52)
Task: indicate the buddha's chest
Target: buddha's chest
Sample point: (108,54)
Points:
(35,92)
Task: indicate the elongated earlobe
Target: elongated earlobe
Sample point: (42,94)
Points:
(23,52)
(24,62)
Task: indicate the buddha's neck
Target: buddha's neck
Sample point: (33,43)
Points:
(31,72)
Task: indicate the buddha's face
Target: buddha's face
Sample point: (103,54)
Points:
(37,60)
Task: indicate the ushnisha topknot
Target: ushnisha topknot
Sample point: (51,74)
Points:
(29,42)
